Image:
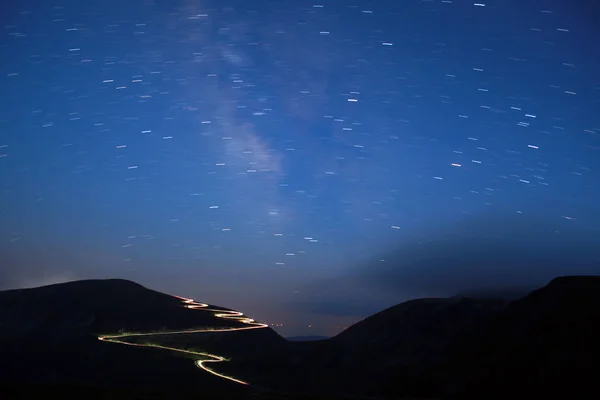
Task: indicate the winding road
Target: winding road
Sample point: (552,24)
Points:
(211,358)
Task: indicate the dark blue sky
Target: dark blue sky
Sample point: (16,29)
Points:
(305,162)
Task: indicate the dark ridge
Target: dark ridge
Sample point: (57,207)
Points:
(59,325)
(115,282)
(87,289)
(415,331)
(103,306)
(544,344)
(412,313)
(541,345)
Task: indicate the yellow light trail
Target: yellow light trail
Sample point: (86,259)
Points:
(191,304)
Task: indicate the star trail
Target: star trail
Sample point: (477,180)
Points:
(255,154)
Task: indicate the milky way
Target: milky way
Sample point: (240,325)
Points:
(256,154)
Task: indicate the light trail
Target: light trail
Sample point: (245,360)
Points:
(212,358)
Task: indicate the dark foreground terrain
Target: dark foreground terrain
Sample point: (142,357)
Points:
(544,344)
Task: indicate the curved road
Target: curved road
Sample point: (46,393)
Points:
(189,303)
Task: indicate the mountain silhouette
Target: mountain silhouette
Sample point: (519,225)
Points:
(50,334)
(544,343)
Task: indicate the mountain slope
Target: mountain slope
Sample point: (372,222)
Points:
(409,335)
(98,306)
(544,344)
(416,330)
(60,325)
(459,347)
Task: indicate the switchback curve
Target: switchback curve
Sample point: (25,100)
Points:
(211,358)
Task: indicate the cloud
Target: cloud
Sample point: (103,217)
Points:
(339,296)
(493,253)
(488,251)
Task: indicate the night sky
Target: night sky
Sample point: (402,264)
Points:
(308,163)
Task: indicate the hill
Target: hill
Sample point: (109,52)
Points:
(539,345)
(544,344)
(60,324)
(407,336)
(459,347)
